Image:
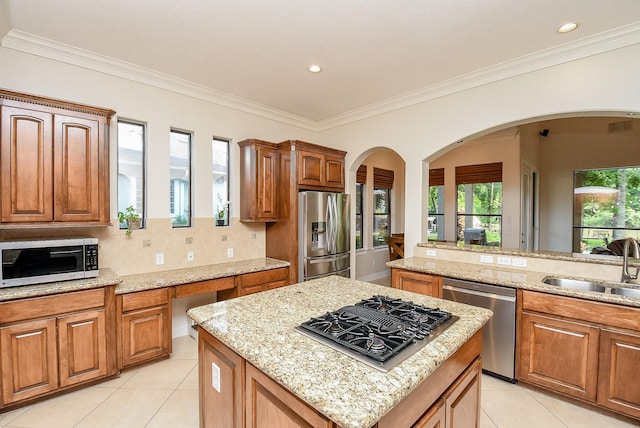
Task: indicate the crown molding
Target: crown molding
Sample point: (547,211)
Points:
(39,46)
(586,47)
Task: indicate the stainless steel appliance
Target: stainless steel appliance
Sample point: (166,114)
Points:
(499,334)
(323,235)
(380,331)
(47,260)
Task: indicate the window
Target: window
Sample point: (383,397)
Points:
(220,150)
(435,210)
(361,179)
(131,161)
(180,176)
(479,212)
(606,208)
(382,184)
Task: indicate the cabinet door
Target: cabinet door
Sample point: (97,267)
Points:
(26,160)
(619,363)
(146,335)
(434,418)
(334,171)
(76,169)
(463,399)
(270,405)
(559,354)
(267,176)
(311,168)
(422,283)
(221,384)
(29,361)
(83,347)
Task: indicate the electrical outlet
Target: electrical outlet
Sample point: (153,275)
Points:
(229,252)
(159,258)
(485,258)
(504,260)
(519,262)
(215,377)
(431,253)
(189,256)
(253,236)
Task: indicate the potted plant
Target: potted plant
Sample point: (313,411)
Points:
(129,216)
(220,217)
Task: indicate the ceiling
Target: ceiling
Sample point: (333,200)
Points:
(375,54)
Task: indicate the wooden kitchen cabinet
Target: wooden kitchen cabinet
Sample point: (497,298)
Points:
(255,282)
(56,342)
(416,282)
(145,326)
(462,400)
(270,405)
(316,168)
(258,180)
(580,348)
(619,359)
(54,158)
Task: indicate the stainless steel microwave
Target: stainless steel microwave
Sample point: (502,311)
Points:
(47,260)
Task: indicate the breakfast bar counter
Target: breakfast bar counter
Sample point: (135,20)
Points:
(259,330)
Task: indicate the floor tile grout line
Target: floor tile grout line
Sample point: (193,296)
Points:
(528,391)
(96,406)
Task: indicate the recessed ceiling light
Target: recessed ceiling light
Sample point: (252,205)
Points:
(315,68)
(569,26)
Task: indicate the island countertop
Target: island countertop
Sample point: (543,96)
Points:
(260,328)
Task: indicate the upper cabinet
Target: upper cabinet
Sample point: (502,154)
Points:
(258,180)
(54,161)
(319,168)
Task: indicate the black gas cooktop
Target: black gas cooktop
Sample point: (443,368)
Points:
(380,331)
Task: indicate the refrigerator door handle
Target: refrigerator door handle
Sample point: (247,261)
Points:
(332,224)
(325,259)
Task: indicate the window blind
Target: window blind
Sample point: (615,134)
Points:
(361,174)
(483,173)
(436,177)
(382,178)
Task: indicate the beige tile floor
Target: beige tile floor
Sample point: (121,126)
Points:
(165,394)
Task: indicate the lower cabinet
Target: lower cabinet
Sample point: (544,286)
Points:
(255,282)
(54,342)
(145,326)
(416,282)
(584,349)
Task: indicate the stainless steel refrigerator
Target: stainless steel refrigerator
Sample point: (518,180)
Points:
(323,235)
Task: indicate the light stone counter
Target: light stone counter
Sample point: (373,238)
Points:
(151,280)
(259,327)
(510,277)
(105,277)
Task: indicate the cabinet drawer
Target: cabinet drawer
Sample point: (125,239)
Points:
(585,310)
(43,307)
(202,287)
(145,299)
(258,278)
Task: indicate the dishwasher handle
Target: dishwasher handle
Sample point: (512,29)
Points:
(480,293)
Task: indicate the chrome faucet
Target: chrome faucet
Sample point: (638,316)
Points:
(626,276)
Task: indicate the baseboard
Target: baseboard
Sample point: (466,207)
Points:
(375,276)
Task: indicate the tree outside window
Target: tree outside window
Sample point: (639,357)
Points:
(381,216)
(359,217)
(606,208)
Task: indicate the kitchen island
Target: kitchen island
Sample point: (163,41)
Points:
(255,366)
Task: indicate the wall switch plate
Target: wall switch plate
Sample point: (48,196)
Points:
(229,252)
(215,377)
(431,253)
(189,256)
(484,258)
(504,260)
(160,258)
(519,262)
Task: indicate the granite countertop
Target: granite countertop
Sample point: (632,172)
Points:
(509,277)
(105,277)
(167,278)
(259,327)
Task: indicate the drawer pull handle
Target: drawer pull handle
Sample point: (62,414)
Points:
(22,336)
(80,324)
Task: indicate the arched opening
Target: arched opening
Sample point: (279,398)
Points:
(378,200)
(541,159)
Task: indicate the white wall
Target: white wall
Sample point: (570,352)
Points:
(603,83)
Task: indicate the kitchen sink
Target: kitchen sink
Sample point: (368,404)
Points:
(574,284)
(629,292)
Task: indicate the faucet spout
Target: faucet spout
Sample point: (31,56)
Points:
(626,276)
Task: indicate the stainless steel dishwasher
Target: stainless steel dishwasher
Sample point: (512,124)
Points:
(499,334)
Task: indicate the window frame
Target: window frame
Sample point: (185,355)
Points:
(189,218)
(359,211)
(143,173)
(218,203)
(377,243)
